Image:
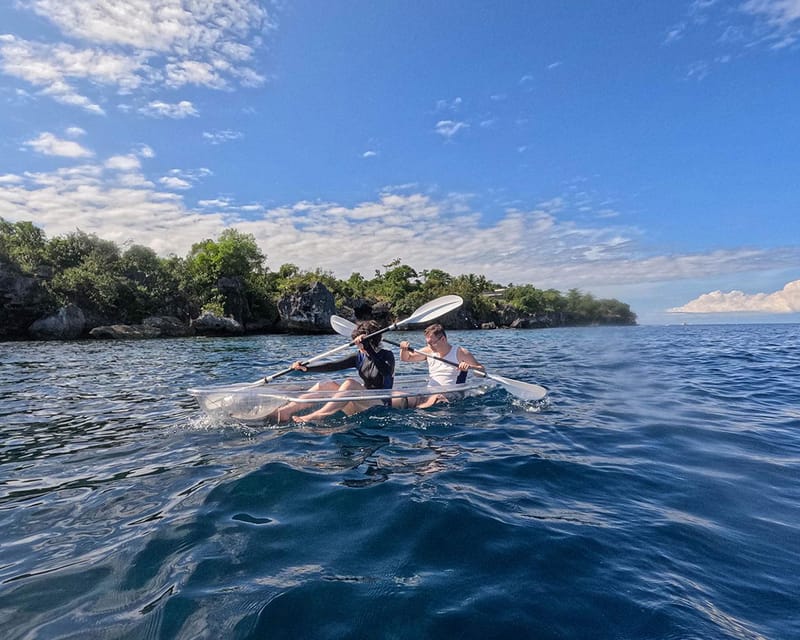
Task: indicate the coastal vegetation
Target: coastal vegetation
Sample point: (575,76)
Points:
(230,276)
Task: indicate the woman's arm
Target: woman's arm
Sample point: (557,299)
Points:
(335,365)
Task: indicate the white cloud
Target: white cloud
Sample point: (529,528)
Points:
(448,105)
(123,163)
(177,111)
(56,67)
(369,154)
(145,151)
(538,246)
(50,145)
(173,182)
(138,43)
(781,18)
(736,29)
(448,128)
(180,179)
(785,301)
(117,204)
(168,26)
(221,136)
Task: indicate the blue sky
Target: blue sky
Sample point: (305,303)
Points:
(644,151)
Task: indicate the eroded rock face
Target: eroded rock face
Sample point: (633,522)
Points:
(153,327)
(168,326)
(307,311)
(209,324)
(23,300)
(68,323)
(124,332)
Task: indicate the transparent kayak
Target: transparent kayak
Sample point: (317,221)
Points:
(256,402)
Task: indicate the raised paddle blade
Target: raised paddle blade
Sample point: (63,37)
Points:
(342,326)
(433,309)
(427,312)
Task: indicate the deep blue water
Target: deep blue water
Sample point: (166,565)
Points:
(656,494)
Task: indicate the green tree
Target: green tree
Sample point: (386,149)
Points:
(73,249)
(22,244)
(153,284)
(525,298)
(230,272)
(234,255)
(93,287)
(395,285)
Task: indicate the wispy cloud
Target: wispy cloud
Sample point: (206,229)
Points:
(449,105)
(731,32)
(539,245)
(449,128)
(526,81)
(177,111)
(221,136)
(779,20)
(75,132)
(180,179)
(785,301)
(131,45)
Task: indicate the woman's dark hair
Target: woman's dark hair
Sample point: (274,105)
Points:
(364,328)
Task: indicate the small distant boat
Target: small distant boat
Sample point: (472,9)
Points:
(250,403)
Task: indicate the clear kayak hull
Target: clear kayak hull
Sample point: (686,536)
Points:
(252,402)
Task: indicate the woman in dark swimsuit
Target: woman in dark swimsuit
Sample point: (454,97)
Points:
(375,367)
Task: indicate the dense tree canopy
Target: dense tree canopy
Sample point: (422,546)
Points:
(230,275)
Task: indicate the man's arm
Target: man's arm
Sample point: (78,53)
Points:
(468,360)
(407,356)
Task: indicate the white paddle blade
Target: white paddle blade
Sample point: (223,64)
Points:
(434,309)
(523,390)
(341,326)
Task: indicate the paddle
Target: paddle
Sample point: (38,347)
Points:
(427,312)
(524,390)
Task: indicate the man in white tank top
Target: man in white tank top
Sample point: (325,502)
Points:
(440,373)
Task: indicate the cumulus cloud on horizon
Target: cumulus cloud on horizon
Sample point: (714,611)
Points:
(787,300)
(539,245)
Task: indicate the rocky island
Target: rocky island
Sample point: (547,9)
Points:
(79,286)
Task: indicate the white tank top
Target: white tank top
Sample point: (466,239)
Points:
(441,373)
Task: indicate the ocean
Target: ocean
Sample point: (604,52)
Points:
(654,494)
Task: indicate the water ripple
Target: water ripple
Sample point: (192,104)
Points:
(652,496)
